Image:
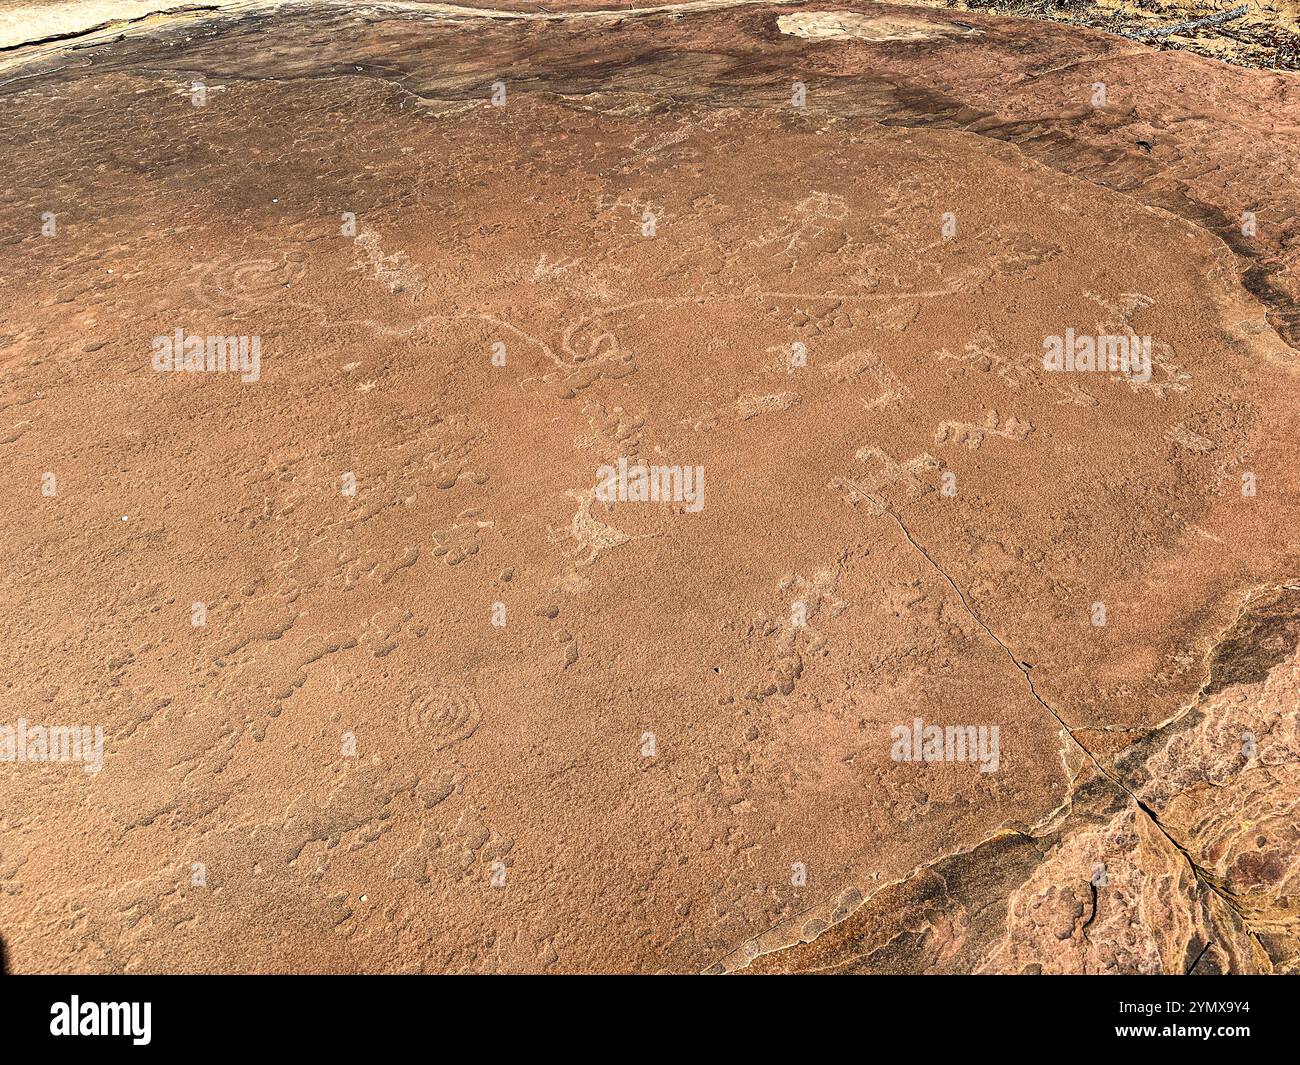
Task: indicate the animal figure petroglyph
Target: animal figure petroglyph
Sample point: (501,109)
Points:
(396,271)
(973,435)
(798,232)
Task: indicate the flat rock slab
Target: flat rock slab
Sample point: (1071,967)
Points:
(942,661)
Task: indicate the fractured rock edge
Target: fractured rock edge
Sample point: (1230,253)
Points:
(868,930)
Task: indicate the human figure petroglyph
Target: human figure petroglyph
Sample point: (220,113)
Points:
(887,472)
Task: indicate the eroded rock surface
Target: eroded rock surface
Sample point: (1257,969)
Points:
(386,683)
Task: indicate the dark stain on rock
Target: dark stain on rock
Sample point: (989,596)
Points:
(1265,634)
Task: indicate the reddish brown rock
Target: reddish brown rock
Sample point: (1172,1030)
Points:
(388,683)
